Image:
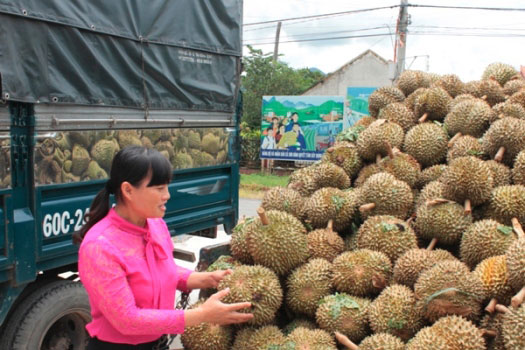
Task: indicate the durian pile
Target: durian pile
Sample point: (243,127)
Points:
(87,155)
(5,163)
(406,235)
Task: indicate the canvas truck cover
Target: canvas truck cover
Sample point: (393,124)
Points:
(155,54)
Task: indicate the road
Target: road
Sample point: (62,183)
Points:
(248,207)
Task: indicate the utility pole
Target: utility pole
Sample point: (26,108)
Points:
(276,47)
(401,38)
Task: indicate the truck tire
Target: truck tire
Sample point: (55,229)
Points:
(55,319)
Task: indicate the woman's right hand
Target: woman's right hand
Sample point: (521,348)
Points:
(215,311)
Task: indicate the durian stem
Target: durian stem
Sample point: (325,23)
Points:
(468,207)
(423,118)
(488,333)
(262,215)
(343,340)
(484,97)
(517,228)
(378,282)
(436,201)
(518,299)
(454,139)
(330,150)
(378,158)
(491,307)
(330,226)
(432,244)
(503,309)
(499,155)
(501,116)
(389,150)
(367,207)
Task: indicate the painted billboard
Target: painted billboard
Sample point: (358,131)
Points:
(356,104)
(299,127)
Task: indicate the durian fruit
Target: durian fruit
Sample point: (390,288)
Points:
(512,328)
(400,114)
(442,220)
(80,158)
(516,260)
(457,333)
(493,274)
(506,109)
(263,338)
(467,180)
(382,341)
(201,159)
(166,146)
(427,143)
(386,234)
(325,204)
(506,203)
(344,313)
(361,272)
(146,142)
(103,152)
(128,138)
(304,180)
(62,141)
(427,339)
(500,173)
(518,171)
(344,155)
(378,138)
(483,239)
(298,322)
(277,240)
(318,175)
(383,96)
(238,244)
(430,174)
(255,284)
(95,172)
(383,194)
(210,143)
(394,311)
(410,101)
(492,324)
(451,83)
(411,80)
(365,121)
(403,166)
(488,90)
(182,160)
(307,285)
(48,172)
(504,139)
(513,86)
(518,97)
(449,288)
(194,139)
(410,265)
(464,146)
(365,173)
(284,199)
(206,336)
(432,190)
(223,262)
(325,243)
(471,117)
(80,138)
(433,104)
(311,339)
(500,72)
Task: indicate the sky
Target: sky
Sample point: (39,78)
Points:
(475,38)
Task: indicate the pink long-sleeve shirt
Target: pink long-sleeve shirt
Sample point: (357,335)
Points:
(131,278)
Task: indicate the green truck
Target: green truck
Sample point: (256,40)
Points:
(79,81)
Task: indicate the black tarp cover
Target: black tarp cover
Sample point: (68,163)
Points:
(159,54)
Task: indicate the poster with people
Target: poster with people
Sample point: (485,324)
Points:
(356,104)
(299,127)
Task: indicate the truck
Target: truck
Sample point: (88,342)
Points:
(79,81)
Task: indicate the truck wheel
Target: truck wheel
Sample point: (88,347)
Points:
(56,320)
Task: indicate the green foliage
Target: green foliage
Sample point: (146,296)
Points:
(264,180)
(351,134)
(386,227)
(340,302)
(266,77)
(506,230)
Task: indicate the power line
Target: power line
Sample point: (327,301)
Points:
(330,38)
(469,7)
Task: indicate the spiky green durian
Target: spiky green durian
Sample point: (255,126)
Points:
(427,143)
(489,90)
(255,284)
(411,80)
(238,244)
(277,240)
(201,158)
(382,97)
(432,190)
(311,339)
(383,341)
(501,72)
(345,314)
(104,151)
(427,339)
(470,117)
(182,160)
(403,166)
(500,173)
(465,146)
(206,335)
(386,234)
(284,199)
(378,138)
(410,265)
(299,322)
(513,86)
(365,173)
(449,288)
(308,180)
(518,171)
(95,172)
(346,156)
(493,274)
(263,338)
(394,311)
(493,322)
(399,113)
(516,263)
(210,143)
(128,138)
(507,109)
(430,174)
(307,285)
(63,141)
(325,204)
(507,202)
(442,220)
(361,272)
(410,101)
(459,333)
(432,104)
(80,158)
(506,133)
(483,239)
(512,328)
(224,262)
(325,243)
(451,83)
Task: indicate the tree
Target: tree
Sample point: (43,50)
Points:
(266,77)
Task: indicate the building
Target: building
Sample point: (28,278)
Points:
(366,70)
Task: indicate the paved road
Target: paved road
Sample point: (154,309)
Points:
(248,207)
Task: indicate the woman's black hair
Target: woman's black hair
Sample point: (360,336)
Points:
(131,164)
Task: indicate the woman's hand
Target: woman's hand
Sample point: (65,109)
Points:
(201,280)
(216,312)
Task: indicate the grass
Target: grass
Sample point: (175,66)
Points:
(253,186)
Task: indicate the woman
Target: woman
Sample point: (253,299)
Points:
(126,265)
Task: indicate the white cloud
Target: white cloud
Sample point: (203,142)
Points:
(466,56)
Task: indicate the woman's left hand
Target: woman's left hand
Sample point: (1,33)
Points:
(200,280)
